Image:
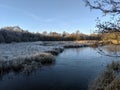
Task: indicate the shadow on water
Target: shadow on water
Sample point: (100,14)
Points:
(30,68)
(73,70)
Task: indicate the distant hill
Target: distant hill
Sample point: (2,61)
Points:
(14,28)
(16,34)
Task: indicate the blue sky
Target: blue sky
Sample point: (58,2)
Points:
(48,15)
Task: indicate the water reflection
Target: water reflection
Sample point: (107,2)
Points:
(110,50)
(73,70)
(27,71)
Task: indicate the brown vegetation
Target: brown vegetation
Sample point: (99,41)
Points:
(26,64)
(109,79)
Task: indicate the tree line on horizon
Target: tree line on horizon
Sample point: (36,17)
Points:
(16,34)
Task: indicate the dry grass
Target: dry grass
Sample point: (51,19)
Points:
(115,42)
(30,55)
(56,51)
(26,64)
(108,80)
(86,41)
(115,84)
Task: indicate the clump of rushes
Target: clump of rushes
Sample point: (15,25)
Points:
(73,46)
(56,51)
(109,79)
(114,66)
(44,58)
(94,45)
(115,84)
(26,64)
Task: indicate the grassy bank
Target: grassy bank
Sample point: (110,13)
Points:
(109,79)
(28,56)
(26,64)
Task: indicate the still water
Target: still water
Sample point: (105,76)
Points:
(73,70)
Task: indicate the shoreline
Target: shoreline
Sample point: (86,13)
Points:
(30,55)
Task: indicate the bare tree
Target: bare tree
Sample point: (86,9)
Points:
(112,29)
(106,6)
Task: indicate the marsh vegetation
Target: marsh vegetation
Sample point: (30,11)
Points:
(70,68)
(58,59)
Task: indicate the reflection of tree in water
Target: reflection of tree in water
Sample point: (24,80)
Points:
(79,50)
(110,50)
(9,74)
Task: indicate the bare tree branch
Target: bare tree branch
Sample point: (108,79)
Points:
(106,6)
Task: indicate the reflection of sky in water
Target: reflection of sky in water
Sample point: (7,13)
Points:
(111,50)
(73,70)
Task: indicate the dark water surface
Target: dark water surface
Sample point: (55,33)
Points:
(73,70)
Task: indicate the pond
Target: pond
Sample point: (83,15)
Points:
(74,69)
